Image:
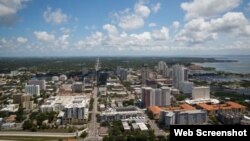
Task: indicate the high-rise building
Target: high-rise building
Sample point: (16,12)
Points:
(146,96)
(33,90)
(163,69)
(190,117)
(41,83)
(178,75)
(165,96)
(186,87)
(201,93)
(185,74)
(156,97)
(17,98)
(144,74)
(161,65)
(77,87)
(123,74)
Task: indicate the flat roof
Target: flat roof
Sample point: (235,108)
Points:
(125,126)
(142,126)
(225,106)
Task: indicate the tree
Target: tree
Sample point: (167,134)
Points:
(19,114)
(84,134)
(27,125)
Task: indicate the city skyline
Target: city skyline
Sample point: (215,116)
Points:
(124,28)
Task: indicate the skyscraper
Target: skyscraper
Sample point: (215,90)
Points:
(146,96)
(156,97)
(33,90)
(178,75)
(165,96)
(163,68)
(201,92)
(41,83)
(144,74)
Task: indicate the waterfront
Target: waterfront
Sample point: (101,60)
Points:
(241,66)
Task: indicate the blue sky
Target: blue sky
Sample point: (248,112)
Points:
(124,27)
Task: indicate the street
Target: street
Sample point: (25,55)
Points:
(93,125)
(37,134)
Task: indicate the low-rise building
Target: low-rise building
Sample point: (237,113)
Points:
(121,113)
(228,106)
(71,108)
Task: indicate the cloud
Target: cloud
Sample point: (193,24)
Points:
(130,22)
(176,24)
(124,41)
(55,17)
(48,39)
(8,11)
(155,8)
(44,36)
(152,24)
(142,10)
(201,30)
(208,8)
(111,29)
(132,19)
(22,40)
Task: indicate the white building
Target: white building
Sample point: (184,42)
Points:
(41,83)
(33,90)
(165,96)
(122,113)
(163,69)
(55,78)
(178,75)
(186,87)
(63,77)
(74,107)
(156,97)
(201,93)
(191,117)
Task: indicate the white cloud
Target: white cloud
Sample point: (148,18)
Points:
(22,40)
(132,19)
(124,41)
(152,24)
(55,17)
(201,30)
(130,22)
(63,41)
(50,40)
(8,11)
(44,36)
(176,24)
(208,8)
(142,10)
(162,34)
(111,29)
(155,8)
(95,39)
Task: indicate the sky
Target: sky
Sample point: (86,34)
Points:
(124,27)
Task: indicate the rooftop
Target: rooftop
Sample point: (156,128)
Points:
(183,107)
(225,106)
